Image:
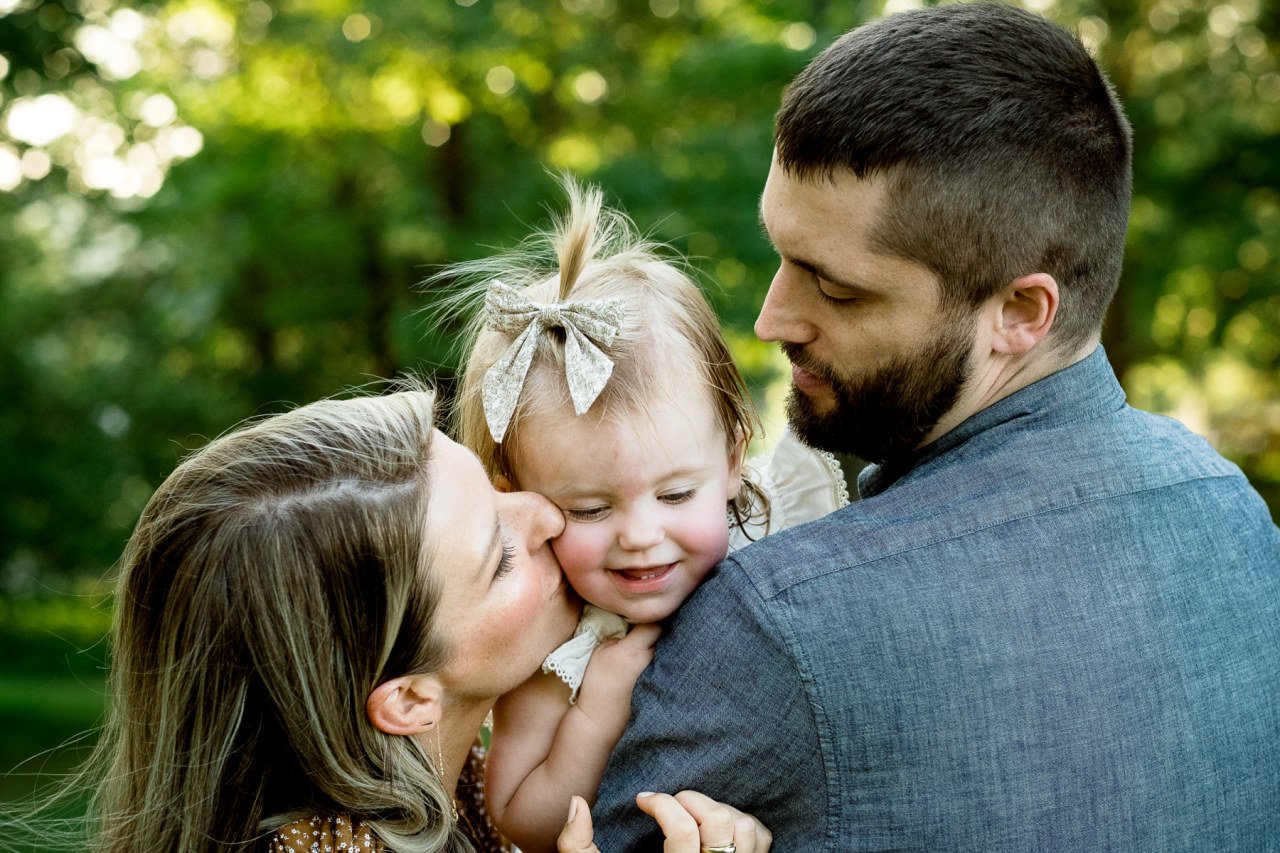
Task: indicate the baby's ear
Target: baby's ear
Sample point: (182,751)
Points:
(737,456)
(408,705)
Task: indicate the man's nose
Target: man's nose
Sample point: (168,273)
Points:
(781,316)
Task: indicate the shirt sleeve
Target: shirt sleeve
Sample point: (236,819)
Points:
(721,710)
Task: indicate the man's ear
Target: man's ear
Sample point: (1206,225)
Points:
(1025,313)
(407,705)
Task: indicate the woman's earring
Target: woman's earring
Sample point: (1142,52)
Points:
(453,803)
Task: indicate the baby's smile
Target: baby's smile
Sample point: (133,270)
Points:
(642,578)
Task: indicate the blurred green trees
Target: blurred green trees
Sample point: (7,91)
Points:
(212,208)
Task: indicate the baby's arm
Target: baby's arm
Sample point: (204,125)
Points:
(545,750)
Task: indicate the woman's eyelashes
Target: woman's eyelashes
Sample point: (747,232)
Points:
(507,561)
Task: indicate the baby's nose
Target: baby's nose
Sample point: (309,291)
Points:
(639,530)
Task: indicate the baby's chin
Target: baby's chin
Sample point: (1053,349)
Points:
(644,614)
(638,612)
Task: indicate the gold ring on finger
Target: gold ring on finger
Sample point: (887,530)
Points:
(721,848)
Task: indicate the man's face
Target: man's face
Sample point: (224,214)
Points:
(877,359)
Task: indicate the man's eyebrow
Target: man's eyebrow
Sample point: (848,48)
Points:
(810,267)
(823,272)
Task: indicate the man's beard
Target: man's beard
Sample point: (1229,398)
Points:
(885,415)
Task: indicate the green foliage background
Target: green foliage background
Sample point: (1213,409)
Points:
(210,209)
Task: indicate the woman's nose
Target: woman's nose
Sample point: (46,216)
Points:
(535,517)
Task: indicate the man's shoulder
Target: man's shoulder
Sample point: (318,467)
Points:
(1030,470)
(807,552)
(1095,459)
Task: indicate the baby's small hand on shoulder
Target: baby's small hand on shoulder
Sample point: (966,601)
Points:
(621,661)
(611,675)
(643,636)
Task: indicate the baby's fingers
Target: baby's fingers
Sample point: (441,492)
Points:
(632,653)
(643,636)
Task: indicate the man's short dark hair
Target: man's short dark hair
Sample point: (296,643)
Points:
(1005,148)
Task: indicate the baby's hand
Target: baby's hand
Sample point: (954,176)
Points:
(605,696)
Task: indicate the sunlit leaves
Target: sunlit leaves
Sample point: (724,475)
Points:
(211,207)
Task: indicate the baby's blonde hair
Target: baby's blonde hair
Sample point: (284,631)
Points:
(668,328)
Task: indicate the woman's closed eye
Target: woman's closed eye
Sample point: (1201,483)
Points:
(507,562)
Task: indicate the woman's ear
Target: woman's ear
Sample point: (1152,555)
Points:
(502,484)
(408,705)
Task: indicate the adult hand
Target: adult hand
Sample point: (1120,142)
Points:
(690,823)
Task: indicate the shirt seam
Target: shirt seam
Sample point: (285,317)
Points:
(821,720)
(933,542)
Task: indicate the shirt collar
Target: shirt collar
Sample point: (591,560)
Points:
(1084,389)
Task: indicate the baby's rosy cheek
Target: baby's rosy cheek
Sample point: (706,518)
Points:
(580,555)
(713,541)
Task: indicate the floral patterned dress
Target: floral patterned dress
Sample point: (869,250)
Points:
(345,834)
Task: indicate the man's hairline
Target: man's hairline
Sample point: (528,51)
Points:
(953,304)
(876,233)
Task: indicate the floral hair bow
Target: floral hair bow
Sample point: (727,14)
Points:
(587,324)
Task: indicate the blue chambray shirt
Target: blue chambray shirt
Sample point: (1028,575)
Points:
(1059,630)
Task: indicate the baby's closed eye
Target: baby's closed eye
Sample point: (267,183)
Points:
(679,497)
(587,514)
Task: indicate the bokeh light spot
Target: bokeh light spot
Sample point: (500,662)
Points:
(798,36)
(10,169)
(1224,20)
(39,121)
(357,27)
(500,80)
(435,133)
(1253,254)
(576,152)
(115,57)
(590,87)
(158,110)
(36,164)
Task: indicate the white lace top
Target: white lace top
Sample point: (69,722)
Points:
(802,484)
